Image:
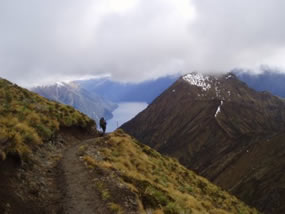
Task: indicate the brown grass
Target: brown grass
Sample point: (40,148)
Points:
(27,120)
(161,182)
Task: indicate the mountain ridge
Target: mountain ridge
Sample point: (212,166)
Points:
(72,94)
(145,91)
(53,160)
(212,124)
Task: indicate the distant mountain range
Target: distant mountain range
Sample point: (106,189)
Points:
(98,97)
(72,94)
(127,92)
(225,131)
(268,80)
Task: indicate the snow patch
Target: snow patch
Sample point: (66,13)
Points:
(218,111)
(59,84)
(56,84)
(198,80)
(218,91)
(219,108)
(229,76)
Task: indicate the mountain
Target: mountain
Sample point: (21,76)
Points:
(28,120)
(127,92)
(269,80)
(53,160)
(130,177)
(225,131)
(71,94)
(33,133)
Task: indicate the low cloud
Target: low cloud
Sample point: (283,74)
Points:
(134,40)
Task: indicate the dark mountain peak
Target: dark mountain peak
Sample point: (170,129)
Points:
(204,82)
(221,87)
(211,123)
(225,87)
(200,79)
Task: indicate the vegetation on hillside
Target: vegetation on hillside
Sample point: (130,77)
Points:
(160,183)
(28,120)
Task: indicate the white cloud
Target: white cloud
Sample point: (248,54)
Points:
(133,40)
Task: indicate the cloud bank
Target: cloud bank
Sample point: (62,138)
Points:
(135,40)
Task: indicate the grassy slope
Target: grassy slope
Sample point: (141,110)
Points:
(160,182)
(28,120)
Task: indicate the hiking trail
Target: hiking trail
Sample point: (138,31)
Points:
(78,192)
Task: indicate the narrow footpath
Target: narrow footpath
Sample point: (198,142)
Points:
(78,192)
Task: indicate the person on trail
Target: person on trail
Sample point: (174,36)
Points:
(103,124)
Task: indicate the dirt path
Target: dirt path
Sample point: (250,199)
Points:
(79,196)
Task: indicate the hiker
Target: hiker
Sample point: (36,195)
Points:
(103,124)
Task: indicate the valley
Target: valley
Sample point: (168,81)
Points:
(63,163)
(142,107)
(123,113)
(116,102)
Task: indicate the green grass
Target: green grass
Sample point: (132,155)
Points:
(161,183)
(28,120)
(116,208)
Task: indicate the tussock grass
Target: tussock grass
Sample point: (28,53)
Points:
(161,183)
(28,120)
(116,208)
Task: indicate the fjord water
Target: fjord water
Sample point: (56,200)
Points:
(124,112)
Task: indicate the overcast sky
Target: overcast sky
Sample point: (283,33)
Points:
(133,40)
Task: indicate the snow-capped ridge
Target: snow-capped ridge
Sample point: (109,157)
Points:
(213,86)
(60,84)
(229,76)
(199,80)
(55,84)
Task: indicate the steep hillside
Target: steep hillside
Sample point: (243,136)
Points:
(71,94)
(127,92)
(31,141)
(28,120)
(133,178)
(223,130)
(53,161)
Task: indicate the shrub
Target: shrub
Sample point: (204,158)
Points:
(116,208)
(29,134)
(105,194)
(45,132)
(90,161)
(189,189)
(173,208)
(16,147)
(154,197)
